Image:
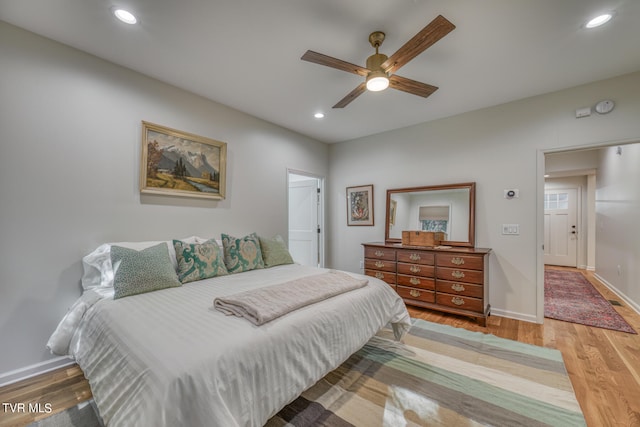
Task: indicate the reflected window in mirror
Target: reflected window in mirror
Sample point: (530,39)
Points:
(434,218)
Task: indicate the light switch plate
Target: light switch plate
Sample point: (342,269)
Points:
(511,229)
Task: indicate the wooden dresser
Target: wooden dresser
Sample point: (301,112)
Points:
(453,280)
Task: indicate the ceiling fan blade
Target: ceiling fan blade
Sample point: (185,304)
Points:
(362,87)
(434,31)
(411,86)
(332,62)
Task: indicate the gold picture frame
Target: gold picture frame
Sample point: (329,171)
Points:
(177,163)
(360,205)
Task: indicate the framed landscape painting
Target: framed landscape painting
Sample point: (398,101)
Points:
(178,163)
(360,205)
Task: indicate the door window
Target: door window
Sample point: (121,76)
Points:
(553,201)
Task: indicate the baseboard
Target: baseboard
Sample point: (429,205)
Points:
(513,315)
(20,374)
(620,294)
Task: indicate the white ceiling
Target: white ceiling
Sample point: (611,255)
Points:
(246,54)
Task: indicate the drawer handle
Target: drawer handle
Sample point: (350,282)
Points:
(457,287)
(457,274)
(379,253)
(457,261)
(414,281)
(414,257)
(457,301)
(414,293)
(379,275)
(379,264)
(414,269)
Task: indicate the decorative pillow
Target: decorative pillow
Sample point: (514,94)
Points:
(98,273)
(137,272)
(274,251)
(242,254)
(197,261)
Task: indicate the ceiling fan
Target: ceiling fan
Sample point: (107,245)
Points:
(380,69)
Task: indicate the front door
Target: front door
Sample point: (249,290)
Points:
(561,227)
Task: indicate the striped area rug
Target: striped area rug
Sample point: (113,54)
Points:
(440,376)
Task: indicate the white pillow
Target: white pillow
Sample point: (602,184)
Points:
(98,272)
(203,239)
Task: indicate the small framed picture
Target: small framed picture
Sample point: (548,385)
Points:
(360,205)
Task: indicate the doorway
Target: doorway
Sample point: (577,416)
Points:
(580,168)
(306,218)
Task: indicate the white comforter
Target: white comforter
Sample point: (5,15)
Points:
(168,358)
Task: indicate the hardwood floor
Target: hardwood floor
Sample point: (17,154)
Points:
(604,366)
(61,389)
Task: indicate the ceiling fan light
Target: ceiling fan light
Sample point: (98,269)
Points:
(377,81)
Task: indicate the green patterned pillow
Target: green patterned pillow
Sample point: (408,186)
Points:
(242,254)
(137,272)
(197,261)
(274,251)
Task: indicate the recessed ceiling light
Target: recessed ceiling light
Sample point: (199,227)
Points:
(318,115)
(599,20)
(125,16)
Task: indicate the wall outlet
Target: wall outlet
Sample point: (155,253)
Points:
(361,265)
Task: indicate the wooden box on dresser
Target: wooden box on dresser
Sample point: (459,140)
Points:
(453,279)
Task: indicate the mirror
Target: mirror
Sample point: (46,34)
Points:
(449,208)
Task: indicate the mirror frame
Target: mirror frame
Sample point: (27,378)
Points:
(472,211)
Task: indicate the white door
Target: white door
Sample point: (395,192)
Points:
(561,227)
(304,224)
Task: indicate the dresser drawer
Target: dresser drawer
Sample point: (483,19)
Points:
(416,294)
(461,302)
(459,288)
(461,275)
(380,253)
(378,264)
(460,261)
(388,277)
(416,257)
(416,282)
(416,270)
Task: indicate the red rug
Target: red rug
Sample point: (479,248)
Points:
(569,296)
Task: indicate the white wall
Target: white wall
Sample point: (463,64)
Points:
(571,163)
(70,152)
(617,228)
(497,147)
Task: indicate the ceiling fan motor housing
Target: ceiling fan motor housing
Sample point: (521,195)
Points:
(375,61)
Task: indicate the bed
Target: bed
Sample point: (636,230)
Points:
(168,358)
